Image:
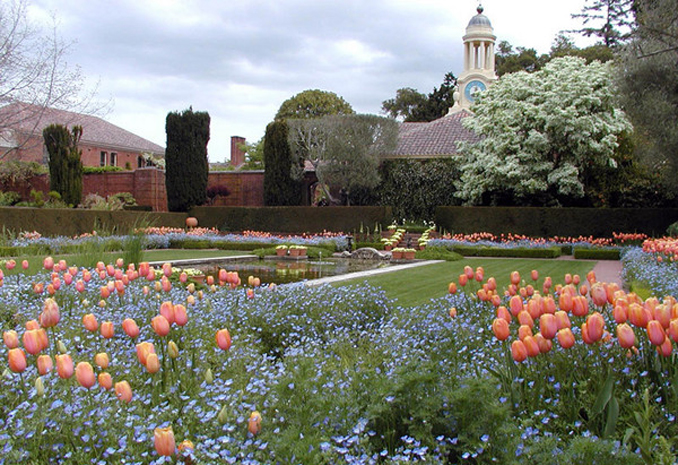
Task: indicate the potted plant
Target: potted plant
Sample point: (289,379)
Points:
(408,254)
(281,250)
(297,251)
(397,253)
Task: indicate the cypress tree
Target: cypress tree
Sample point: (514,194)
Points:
(65,164)
(280,188)
(186,165)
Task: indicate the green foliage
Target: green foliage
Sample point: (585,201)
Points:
(186,159)
(114,202)
(65,166)
(18,174)
(540,133)
(414,188)
(344,150)
(101,169)
(280,188)
(9,198)
(413,106)
(254,155)
(518,252)
(617,16)
(313,103)
(672,230)
(438,253)
(523,59)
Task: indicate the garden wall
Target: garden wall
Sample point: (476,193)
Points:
(549,222)
(72,222)
(291,219)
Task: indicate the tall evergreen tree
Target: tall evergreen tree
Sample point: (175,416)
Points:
(65,165)
(279,186)
(186,165)
(608,20)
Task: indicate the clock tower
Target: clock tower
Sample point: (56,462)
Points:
(478,73)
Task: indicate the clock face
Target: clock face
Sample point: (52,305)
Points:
(474,88)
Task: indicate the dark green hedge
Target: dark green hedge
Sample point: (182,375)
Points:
(550,222)
(596,254)
(75,221)
(245,246)
(291,219)
(517,252)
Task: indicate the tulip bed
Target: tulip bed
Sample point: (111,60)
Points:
(290,374)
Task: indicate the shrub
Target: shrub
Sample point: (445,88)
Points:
(438,253)
(100,169)
(9,198)
(216,191)
(517,252)
(596,254)
(672,230)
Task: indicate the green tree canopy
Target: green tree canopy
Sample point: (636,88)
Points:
(65,164)
(280,188)
(344,150)
(540,132)
(186,165)
(313,103)
(412,106)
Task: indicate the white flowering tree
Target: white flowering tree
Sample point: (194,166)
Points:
(540,132)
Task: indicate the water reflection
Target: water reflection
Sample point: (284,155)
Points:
(288,271)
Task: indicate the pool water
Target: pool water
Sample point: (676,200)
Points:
(289,271)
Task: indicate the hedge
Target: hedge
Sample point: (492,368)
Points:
(515,252)
(550,222)
(290,220)
(223,245)
(596,254)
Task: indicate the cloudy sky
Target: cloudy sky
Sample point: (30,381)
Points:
(240,59)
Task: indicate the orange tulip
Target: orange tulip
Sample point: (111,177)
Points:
(90,322)
(160,325)
(596,326)
(524,331)
(500,328)
(562,319)
(580,306)
(85,374)
(565,301)
(152,363)
(534,307)
(583,289)
(453,312)
(662,313)
(105,380)
(452,288)
(516,305)
(665,348)
(129,326)
(502,312)
(254,423)
(548,325)
(639,316)
(619,314)
(64,366)
(585,334)
(32,324)
(463,280)
(48,263)
(123,391)
(518,351)
(610,290)
(549,304)
(107,329)
(50,314)
(534,274)
(45,364)
(11,339)
(524,318)
(655,332)
(223,338)
(167,310)
(531,346)
(576,280)
(101,360)
(625,335)
(515,278)
(591,277)
(492,283)
(163,439)
(568,278)
(673,330)
(17,360)
(565,338)
(180,315)
(545,345)
(31,340)
(143,350)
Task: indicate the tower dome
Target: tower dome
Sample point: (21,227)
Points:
(480,19)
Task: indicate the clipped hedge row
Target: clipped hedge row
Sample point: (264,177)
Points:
(75,221)
(596,254)
(294,220)
(550,222)
(517,252)
(223,245)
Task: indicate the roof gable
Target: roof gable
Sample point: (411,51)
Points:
(31,119)
(434,139)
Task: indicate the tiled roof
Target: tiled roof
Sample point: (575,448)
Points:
(434,139)
(96,131)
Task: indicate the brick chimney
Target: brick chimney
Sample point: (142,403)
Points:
(237,154)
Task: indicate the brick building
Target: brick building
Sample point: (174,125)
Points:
(102,143)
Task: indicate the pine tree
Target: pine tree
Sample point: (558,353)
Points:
(279,186)
(65,165)
(186,165)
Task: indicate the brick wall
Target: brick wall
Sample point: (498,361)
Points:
(147,185)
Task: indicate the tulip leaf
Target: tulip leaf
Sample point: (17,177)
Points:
(603,396)
(612,417)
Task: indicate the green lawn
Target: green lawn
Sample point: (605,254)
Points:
(160,255)
(417,286)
